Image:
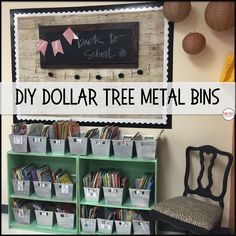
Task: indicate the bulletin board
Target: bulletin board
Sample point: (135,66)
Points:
(147,59)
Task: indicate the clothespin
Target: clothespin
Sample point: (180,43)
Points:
(35,68)
(88,76)
(112,75)
(131,73)
(148,68)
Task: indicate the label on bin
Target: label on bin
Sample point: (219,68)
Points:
(65,189)
(18,139)
(20,186)
(88,223)
(100,142)
(42,184)
(37,139)
(138,191)
(78,140)
(44,213)
(57,141)
(112,190)
(105,225)
(21,212)
(91,193)
(123,143)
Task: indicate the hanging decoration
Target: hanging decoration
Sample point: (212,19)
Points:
(41,45)
(194,43)
(70,35)
(57,47)
(176,11)
(220,15)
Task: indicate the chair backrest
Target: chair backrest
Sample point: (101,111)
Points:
(206,191)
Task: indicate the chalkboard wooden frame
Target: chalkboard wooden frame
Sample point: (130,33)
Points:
(76,58)
(168,123)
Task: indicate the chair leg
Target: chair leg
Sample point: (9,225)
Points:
(152,226)
(153,220)
(216,230)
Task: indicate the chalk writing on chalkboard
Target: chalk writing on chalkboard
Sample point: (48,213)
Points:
(112,45)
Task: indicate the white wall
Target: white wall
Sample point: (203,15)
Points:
(186,130)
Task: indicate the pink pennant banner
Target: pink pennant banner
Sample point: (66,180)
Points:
(57,47)
(69,35)
(41,46)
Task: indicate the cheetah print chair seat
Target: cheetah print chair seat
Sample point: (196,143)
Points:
(191,211)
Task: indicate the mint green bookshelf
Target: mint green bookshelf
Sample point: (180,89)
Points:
(35,227)
(78,167)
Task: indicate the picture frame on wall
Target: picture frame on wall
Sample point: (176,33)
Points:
(143,52)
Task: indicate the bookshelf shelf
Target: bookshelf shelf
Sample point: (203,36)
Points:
(119,159)
(97,233)
(126,205)
(35,227)
(33,196)
(78,167)
(49,154)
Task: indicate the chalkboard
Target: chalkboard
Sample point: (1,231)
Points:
(111,45)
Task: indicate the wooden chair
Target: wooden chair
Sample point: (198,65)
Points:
(191,215)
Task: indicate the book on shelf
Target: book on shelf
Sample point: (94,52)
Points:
(91,133)
(55,173)
(34,175)
(14,172)
(65,208)
(41,170)
(146,182)
(21,203)
(26,171)
(46,176)
(19,128)
(64,178)
(36,129)
(23,173)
